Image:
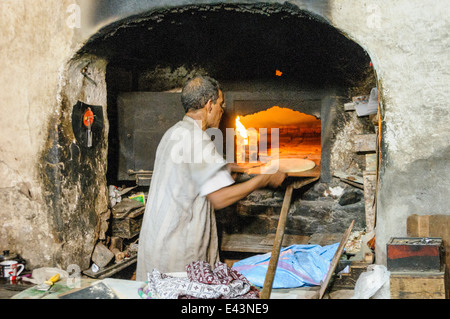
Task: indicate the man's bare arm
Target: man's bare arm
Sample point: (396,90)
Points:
(229,195)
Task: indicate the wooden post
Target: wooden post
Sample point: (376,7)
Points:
(268,282)
(270,275)
(335,260)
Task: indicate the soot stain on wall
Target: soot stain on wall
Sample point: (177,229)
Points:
(73,181)
(235,42)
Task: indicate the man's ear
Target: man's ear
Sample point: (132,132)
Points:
(209,106)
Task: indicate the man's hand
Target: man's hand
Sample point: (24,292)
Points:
(276,179)
(272,180)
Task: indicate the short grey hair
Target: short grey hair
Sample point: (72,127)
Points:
(198,91)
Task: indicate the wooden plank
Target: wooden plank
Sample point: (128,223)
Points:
(335,260)
(268,282)
(324,239)
(288,240)
(431,226)
(352,178)
(258,244)
(244,243)
(420,285)
(365,143)
(249,243)
(371,162)
(370,182)
(246,167)
(349,107)
(418,226)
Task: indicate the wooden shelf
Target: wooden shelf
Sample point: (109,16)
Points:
(258,244)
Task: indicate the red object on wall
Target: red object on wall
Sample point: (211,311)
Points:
(397,251)
(88,118)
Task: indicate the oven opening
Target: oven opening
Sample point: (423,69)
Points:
(276,133)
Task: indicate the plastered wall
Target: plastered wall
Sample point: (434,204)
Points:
(35,45)
(407,41)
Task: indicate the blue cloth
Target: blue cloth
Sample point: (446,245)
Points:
(298,266)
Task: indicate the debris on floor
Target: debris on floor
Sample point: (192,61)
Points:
(373,284)
(120,227)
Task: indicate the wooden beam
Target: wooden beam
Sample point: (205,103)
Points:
(365,143)
(260,244)
(335,260)
(349,107)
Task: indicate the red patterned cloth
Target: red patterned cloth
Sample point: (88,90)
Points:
(202,272)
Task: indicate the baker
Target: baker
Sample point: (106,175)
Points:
(190,179)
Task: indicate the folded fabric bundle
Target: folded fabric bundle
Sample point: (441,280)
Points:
(298,266)
(202,282)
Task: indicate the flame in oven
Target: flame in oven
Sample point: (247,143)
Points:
(241,130)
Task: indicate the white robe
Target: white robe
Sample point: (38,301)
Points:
(179,225)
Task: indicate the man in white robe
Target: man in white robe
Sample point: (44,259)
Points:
(190,180)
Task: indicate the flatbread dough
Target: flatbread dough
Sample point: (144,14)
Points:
(295,165)
(285,165)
